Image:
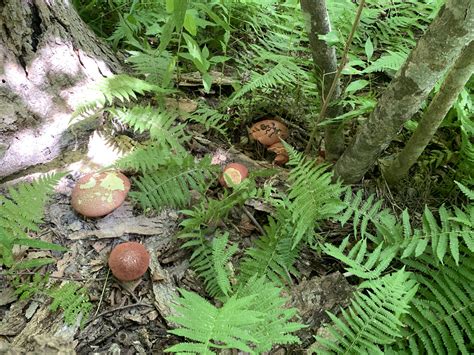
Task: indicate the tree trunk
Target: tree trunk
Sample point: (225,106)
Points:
(434,115)
(47,56)
(324,58)
(449,33)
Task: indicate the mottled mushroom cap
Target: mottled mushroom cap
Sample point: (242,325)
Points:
(97,194)
(233,173)
(129,261)
(268,132)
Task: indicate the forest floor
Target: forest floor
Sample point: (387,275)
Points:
(130,317)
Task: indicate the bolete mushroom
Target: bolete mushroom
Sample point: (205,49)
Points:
(233,174)
(129,261)
(281,157)
(268,132)
(97,194)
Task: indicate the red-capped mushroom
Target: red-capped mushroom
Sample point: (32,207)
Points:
(233,174)
(129,261)
(97,194)
(281,157)
(268,132)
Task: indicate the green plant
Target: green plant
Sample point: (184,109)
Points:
(251,320)
(374,317)
(70,297)
(312,194)
(21,212)
(272,254)
(440,319)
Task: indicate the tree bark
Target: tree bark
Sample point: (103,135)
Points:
(432,118)
(324,59)
(451,31)
(47,56)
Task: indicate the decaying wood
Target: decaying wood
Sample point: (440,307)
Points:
(44,333)
(114,226)
(314,297)
(47,57)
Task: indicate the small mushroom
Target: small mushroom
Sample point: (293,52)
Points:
(129,261)
(98,194)
(233,174)
(268,132)
(281,157)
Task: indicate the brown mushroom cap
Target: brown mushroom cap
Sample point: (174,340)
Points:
(129,261)
(233,173)
(281,157)
(268,132)
(97,194)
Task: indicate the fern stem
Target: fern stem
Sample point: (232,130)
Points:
(327,99)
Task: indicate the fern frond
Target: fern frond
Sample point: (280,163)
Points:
(210,328)
(211,119)
(362,212)
(211,211)
(453,230)
(276,326)
(70,297)
(314,197)
(441,319)
(272,254)
(360,261)
(152,63)
(391,61)
(26,288)
(160,124)
(146,158)
(171,187)
(373,318)
(252,320)
(21,212)
(122,87)
(282,74)
(211,262)
(73,300)
(466,191)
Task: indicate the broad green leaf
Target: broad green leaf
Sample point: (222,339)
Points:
(190,23)
(369,49)
(356,85)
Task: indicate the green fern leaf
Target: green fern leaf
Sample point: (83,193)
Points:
(253,320)
(171,187)
(160,124)
(441,320)
(466,191)
(212,263)
(121,87)
(361,263)
(312,194)
(272,254)
(23,211)
(373,319)
(73,300)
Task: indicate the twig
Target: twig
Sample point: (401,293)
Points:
(102,293)
(118,309)
(254,221)
(327,99)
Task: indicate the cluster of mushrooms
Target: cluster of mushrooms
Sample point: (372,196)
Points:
(97,194)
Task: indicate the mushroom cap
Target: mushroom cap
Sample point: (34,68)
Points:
(281,157)
(129,261)
(233,173)
(97,194)
(268,132)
